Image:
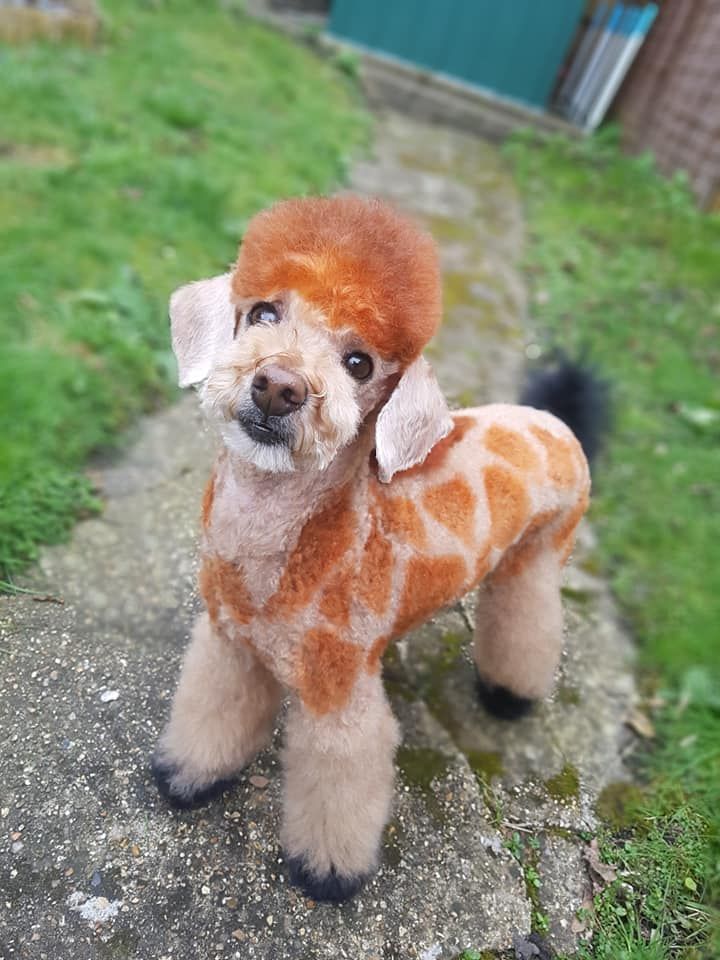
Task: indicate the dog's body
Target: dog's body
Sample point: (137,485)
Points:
(340,515)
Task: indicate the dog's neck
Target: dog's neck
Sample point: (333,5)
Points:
(260,513)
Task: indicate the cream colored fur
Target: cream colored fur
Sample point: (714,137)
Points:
(339,777)
(363,441)
(519,628)
(223,711)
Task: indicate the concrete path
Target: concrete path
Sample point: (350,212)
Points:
(92,864)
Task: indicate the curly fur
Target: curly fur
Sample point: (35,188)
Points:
(347,520)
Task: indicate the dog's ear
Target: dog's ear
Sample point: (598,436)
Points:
(202,322)
(412,421)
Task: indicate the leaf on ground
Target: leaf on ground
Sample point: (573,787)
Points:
(602,873)
(641,723)
(584,920)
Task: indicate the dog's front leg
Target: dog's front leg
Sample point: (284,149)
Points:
(339,777)
(223,712)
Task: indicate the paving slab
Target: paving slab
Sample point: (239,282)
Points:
(93,864)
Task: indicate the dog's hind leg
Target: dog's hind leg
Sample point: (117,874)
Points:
(223,712)
(518,633)
(339,777)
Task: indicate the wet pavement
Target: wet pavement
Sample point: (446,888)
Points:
(491,818)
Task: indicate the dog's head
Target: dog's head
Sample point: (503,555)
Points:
(320,325)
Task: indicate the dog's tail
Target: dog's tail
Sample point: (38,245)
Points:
(575,394)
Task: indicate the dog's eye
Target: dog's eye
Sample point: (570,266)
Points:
(263,312)
(359,365)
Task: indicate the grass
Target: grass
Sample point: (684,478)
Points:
(626,271)
(126,169)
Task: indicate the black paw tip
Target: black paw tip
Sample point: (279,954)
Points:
(501,702)
(163,774)
(329,888)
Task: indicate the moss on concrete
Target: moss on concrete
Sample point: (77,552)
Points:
(419,767)
(564,786)
(568,696)
(486,764)
(618,804)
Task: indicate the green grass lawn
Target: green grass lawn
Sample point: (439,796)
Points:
(125,170)
(625,270)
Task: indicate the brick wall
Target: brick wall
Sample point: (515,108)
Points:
(670,101)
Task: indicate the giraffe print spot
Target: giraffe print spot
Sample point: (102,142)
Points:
(327,670)
(233,592)
(207,502)
(442,448)
(401,519)
(519,556)
(430,583)
(513,448)
(566,531)
(207,583)
(453,505)
(375,655)
(223,582)
(508,503)
(323,541)
(335,603)
(374,583)
(561,457)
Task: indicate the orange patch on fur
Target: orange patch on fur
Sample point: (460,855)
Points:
(374,583)
(207,585)
(442,448)
(207,501)
(430,583)
(323,542)
(453,505)
(509,505)
(361,262)
(223,582)
(375,655)
(517,558)
(513,448)
(327,670)
(566,531)
(335,602)
(560,456)
(401,519)
(566,549)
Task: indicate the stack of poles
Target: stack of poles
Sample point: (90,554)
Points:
(605,54)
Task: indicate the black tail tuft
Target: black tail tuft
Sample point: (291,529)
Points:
(576,395)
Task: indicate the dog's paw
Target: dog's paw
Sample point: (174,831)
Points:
(183,797)
(330,887)
(501,702)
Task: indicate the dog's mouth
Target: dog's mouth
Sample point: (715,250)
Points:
(270,431)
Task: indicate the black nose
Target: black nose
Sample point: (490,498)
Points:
(277,391)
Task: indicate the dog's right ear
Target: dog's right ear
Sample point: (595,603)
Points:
(202,322)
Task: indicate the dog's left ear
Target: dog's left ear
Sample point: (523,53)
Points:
(412,421)
(202,322)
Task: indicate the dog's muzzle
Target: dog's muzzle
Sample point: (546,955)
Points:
(276,393)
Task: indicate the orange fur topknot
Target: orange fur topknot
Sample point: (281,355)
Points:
(363,264)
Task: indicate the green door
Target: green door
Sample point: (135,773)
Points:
(512,48)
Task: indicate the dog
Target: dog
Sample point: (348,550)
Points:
(346,506)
